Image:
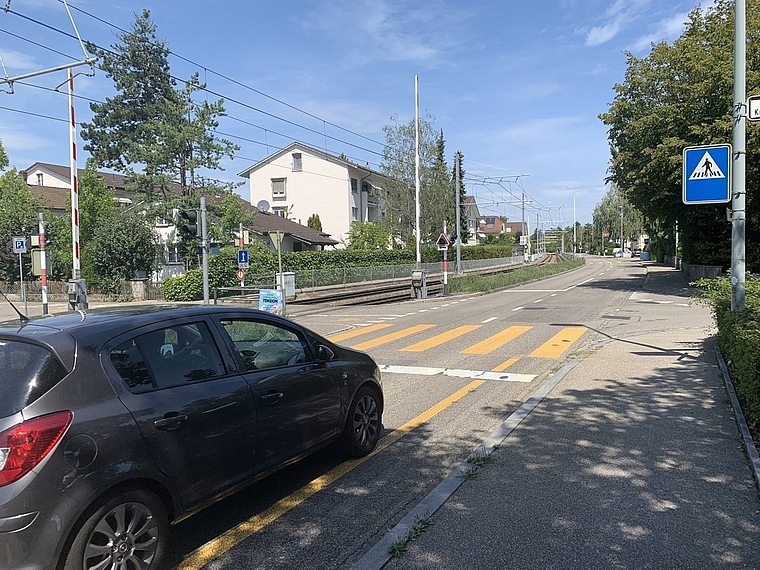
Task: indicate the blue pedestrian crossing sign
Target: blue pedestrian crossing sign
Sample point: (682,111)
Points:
(707,174)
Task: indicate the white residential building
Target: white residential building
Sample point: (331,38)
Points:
(298,181)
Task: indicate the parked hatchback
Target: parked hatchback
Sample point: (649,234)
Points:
(115,423)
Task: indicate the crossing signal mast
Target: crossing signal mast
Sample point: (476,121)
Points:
(76,287)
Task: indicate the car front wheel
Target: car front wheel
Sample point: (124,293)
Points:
(125,532)
(363,425)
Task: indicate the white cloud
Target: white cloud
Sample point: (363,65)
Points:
(598,69)
(386,30)
(17,61)
(620,15)
(665,30)
(19,141)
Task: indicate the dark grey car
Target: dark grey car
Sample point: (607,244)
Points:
(115,423)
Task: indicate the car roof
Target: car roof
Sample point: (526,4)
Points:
(117,318)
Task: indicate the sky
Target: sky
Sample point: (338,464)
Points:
(517,87)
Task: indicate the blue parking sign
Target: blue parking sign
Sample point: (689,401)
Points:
(19,244)
(707,174)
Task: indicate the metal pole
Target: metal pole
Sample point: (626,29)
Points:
(457,158)
(204,248)
(622,247)
(242,281)
(23,285)
(574,236)
(75,274)
(738,217)
(417,169)
(445,266)
(43,265)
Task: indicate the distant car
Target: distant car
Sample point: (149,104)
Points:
(636,252)
(115,422)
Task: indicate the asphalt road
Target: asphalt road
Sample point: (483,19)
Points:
(454,369)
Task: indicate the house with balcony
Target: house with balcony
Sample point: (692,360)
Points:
(299,181)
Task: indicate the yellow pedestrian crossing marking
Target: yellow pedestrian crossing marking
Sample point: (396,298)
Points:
(356,332)
(507,363)
(496,341)
(559,343)
(440,339)
(391,337)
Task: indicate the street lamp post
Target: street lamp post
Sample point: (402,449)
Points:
(622,246)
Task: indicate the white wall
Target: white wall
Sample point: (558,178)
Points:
(320,187)
(48,178)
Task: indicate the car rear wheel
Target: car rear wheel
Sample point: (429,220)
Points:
(363,424)
(125,532)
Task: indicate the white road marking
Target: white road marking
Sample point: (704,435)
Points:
(489,320)
(456,373)
(517,308)
(538,300)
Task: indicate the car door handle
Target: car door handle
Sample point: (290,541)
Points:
(272,397)
(170,423)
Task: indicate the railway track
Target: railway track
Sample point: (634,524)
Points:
(384,293)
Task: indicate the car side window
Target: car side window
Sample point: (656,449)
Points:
(171,356)
(264,345)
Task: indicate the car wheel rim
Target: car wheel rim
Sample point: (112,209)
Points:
(366,421)
(125,538)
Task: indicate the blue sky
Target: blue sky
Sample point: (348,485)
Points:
(517,87)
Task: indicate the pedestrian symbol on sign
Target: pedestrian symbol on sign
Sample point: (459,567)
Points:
(706,169)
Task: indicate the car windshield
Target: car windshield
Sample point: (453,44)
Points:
(27,371)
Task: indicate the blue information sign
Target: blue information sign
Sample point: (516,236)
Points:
(242,258)
(707,174)
(270,300)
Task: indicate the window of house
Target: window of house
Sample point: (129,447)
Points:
(490,222)
(282,212)
(39,179)
(354,214)
(297,163)
(354,185)
(278,188)
(365,187)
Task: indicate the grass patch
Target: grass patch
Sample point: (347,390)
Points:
(420,525)
(474,283)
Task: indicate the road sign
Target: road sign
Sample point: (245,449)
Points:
(242,258)
(443,242)
(19,244)
(707,174)
(240,274)
(753,108)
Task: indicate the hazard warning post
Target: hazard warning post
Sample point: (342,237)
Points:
(707,174)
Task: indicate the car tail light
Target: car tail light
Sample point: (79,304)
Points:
(24,445)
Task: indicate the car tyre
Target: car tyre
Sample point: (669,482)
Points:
(128,530)
(363,424)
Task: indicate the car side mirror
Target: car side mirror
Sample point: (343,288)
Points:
(325,353)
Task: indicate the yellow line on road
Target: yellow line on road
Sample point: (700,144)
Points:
(507,363)
(235,535)
(559,343)
(440,339)
(391,337)
(356,332)
(497,340)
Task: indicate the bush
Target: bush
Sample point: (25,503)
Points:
(738,337)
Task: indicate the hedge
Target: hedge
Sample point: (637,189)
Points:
(738,338)
(223,267)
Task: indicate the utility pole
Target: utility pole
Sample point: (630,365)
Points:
(738,216)
(204,248)
(417,170)
(457,159)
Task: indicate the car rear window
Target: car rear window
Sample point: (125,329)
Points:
(27,371)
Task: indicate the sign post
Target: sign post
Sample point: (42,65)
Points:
(19,246)
(443,244)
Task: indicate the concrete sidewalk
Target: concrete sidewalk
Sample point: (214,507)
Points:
(632,459)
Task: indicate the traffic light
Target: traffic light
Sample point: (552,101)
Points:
(190,227)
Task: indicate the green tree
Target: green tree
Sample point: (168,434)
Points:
(464,226)
(680,95)
(18,217)
(607,218)
(151,131)
(124,245)
(366,235)
(398,166)
(438,203)
(314,222)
